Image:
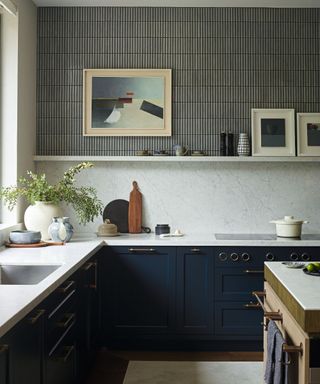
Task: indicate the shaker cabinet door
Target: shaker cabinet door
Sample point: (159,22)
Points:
(138,291)
(194,290)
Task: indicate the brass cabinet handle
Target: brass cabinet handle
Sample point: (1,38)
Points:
(3,348)
(142,250)
(253,271)
(252,305)
(66,288)
(87,266)
(68,351)
(69,317)
(36,317)
(94,285)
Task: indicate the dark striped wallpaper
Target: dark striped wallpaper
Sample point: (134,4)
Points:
(224,62)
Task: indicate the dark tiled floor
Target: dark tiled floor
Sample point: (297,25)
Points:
(111,366)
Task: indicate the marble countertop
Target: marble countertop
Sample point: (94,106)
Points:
(208,239)
(305,289)
(16,301)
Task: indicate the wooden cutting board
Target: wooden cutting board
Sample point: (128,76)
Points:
(135,209)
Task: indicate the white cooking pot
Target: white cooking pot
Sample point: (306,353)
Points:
(288,226)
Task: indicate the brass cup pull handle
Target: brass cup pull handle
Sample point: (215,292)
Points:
(66,288)
(142,250)
(67,353)
(4,348)
(69,317)
(36,317)
(253,271)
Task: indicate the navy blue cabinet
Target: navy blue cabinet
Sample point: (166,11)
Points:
(138,291)
(21,351)
(236,320)
(4,362)
(194,303)
(61,333)
(237,283)
(89,315)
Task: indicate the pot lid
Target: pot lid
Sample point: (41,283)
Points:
(288,220)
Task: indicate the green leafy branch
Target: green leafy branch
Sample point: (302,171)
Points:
(36,187)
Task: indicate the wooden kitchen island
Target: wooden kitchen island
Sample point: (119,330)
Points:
(292,299)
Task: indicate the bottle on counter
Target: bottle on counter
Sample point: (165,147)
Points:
(229,144)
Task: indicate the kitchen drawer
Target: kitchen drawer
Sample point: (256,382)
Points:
(61,327)
(235,319)
(237,283)
(64,306)
(63,297)
(60,364)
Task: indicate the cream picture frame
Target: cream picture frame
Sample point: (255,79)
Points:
(127,102)
(308,134)
(273,132)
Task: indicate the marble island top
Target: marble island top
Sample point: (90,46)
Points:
(299,292)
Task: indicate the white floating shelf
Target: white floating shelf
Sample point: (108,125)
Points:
(182,159)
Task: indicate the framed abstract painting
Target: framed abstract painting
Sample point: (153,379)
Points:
(127,102)
(308,134)
(273,132)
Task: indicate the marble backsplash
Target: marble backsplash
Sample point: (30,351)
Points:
(206,197)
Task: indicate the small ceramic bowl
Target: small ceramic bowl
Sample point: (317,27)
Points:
(25,237)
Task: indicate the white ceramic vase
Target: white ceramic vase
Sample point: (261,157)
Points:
(243,148)
(39,216)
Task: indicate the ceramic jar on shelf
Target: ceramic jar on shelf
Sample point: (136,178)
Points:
(243,148)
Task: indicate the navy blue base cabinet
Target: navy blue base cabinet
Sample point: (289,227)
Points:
(194,303)
(55,343)
(138,291)
(21,351)
(180,298)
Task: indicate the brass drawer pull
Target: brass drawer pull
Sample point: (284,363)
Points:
(68,351)
(142,250)
(36,317)
(88,266)
(253,271)
(66,288)
(69,317)
(4,348)
(252,305)
(277,316)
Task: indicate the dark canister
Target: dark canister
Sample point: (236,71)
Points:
(162,228)
(223,144)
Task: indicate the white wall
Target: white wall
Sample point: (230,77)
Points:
(18,103)
(208,197)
